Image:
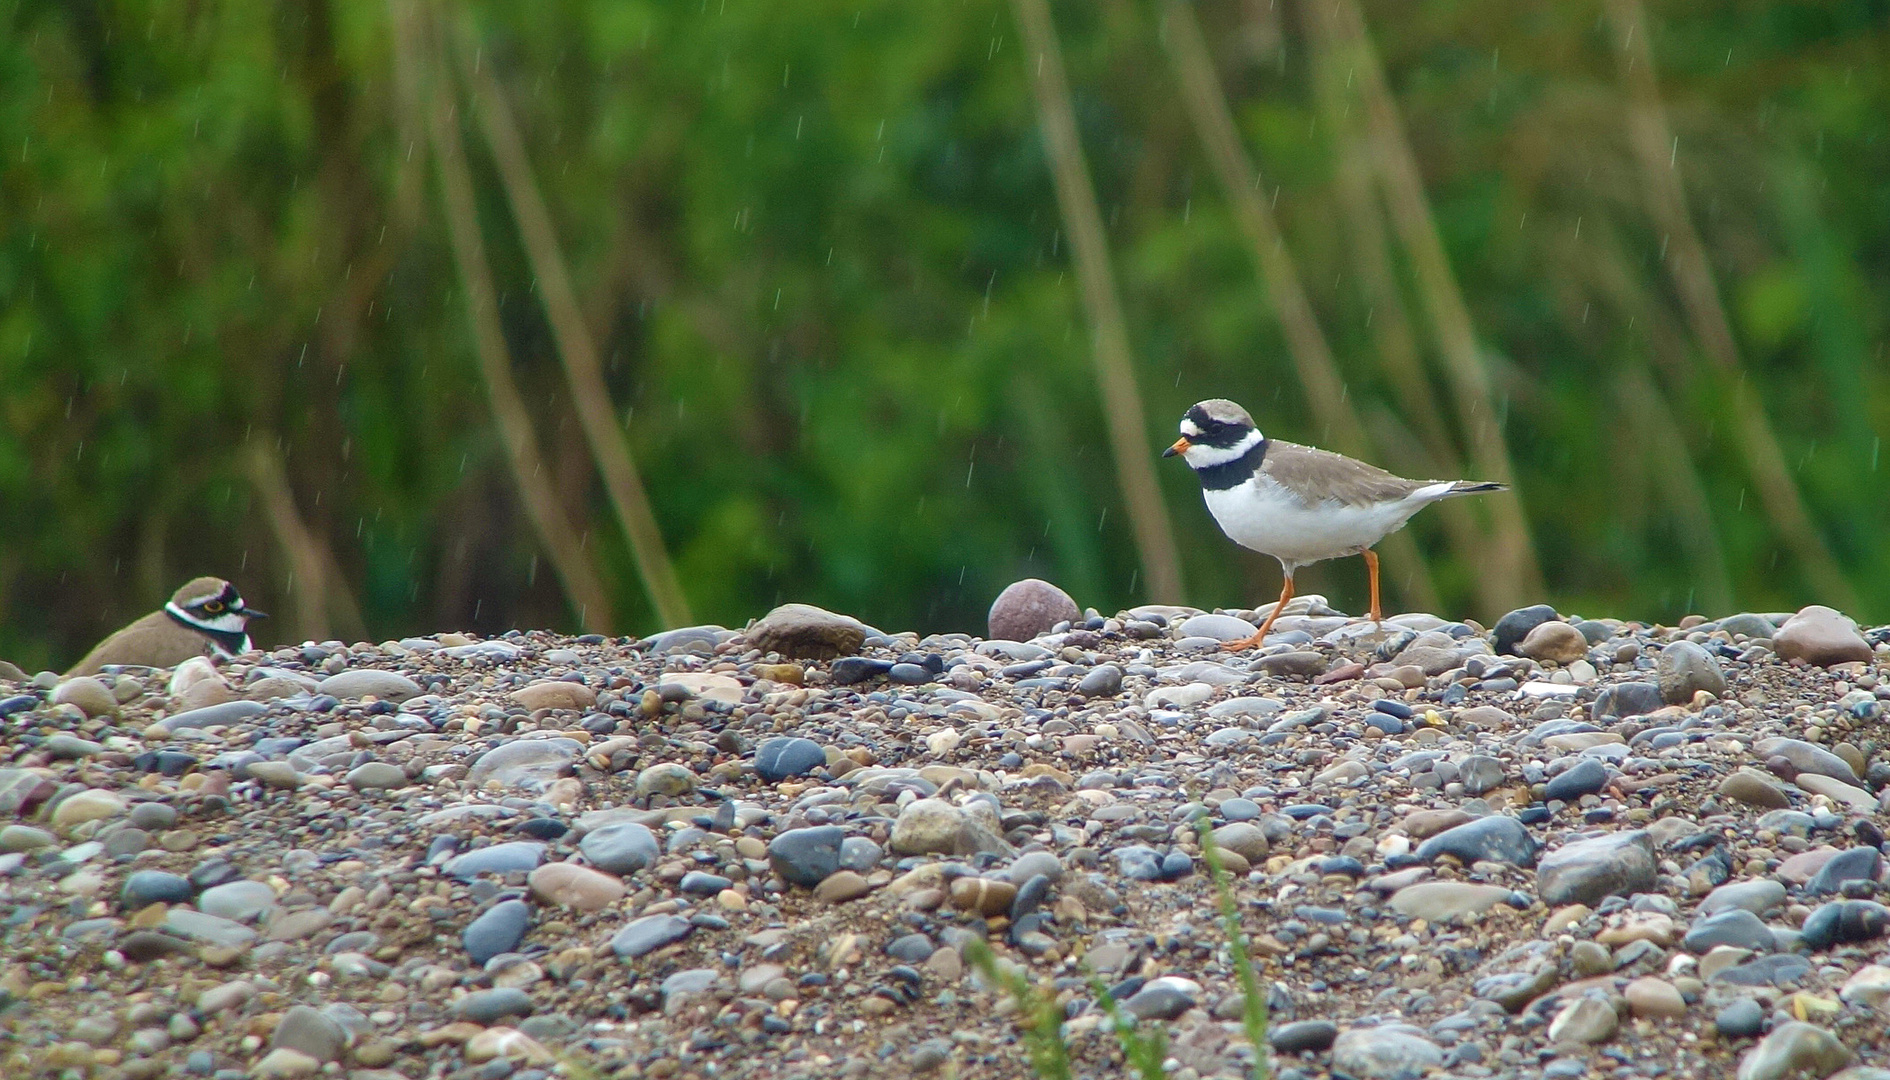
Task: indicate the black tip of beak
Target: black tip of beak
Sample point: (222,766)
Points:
(1170,452)
(252,613)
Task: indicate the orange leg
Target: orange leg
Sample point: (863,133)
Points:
(1371,563)
(1286,593)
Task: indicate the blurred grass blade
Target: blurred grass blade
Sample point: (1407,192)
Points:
(1393,336)
(1253,1016)
(1657,153)
(576,348)
(1306,342)
(582,585)
(318,585)
(1510,575)
(1115,368)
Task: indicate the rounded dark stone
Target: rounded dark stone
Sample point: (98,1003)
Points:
(1104,680)
(785,758)
(857,669)
(1302,1036)
(1843,921)
(1030,896)
(1853,864)
(498,930)
(1496,838)
(1741,1018)
(1513,627)
(1628,699)
(154,887)
(909,674)
(1737,927)
(807,856)
(912,948)
(1585,777)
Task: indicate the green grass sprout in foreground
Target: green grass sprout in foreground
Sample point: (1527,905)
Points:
(1253,1015)
(1145,1048)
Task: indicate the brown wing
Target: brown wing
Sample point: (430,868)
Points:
(1317,475)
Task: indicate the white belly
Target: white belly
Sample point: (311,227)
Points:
(1261,516)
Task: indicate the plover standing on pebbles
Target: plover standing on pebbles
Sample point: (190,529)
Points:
(1296,503)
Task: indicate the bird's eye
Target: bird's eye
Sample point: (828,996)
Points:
(213,606)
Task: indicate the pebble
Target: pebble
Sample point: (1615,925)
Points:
(1587,871)
(1554,642)
(620,848)
(1584,1020)
(579,888)
(1497,838)
(1684,669)
(1510,630)
(1740,1018)
(87,694)
(1822,636)
(1028,608)
(649,933)
(368,682)
(807,856)
(312,1032)
(1385,1052)
(526,764)
(806,632)
(1795,1048)
(784,759)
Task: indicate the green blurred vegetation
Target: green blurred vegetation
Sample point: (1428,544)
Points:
(819,251)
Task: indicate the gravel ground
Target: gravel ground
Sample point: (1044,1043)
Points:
(1554,848)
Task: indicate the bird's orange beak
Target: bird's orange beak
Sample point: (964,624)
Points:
(1180,446)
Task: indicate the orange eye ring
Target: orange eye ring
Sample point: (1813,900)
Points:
(213,606)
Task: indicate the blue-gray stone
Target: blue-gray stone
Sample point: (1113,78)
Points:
(909,674)
(1585,777)
(1513,627)
(1140,862)
(1240,809)
(154,887)
(1496,838)
(857,669)
(1030,896)
(1628,699)
(1737,927)
(213,716)
(1741,1018)
(686,982)
(1302,1036)
(648,934)
(699,883)
(1775,970)
(1159,1000)
(1844,921)
(1852,864)
(1177,865)
(499,929)
(912,948)
(860,854)
(512,857)
(807,856)
(700,640)
(1104,680)
(487,1006)
(1585,871)
(620,848)
(783,759)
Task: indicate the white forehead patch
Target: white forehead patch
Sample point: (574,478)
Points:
(1189,428)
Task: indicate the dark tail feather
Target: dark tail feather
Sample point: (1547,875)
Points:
(1471,487)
